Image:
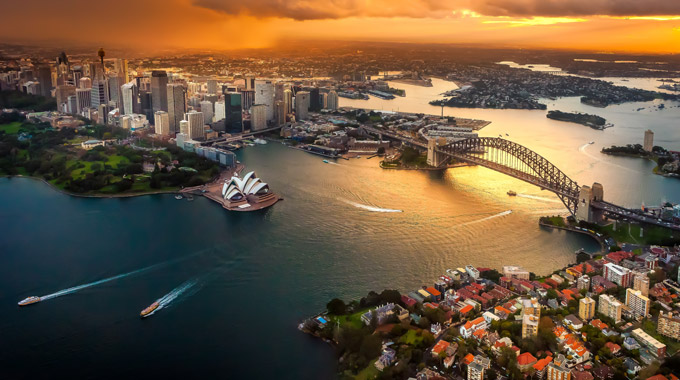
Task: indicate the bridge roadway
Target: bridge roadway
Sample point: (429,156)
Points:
(606,207)
(240,137)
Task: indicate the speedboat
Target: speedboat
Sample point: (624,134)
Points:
(592,142)
(149,310)
(507,134)
(178,196)
(29,301)
(326,162)
(511,193)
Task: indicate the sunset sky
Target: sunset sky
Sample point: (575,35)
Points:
(601,25)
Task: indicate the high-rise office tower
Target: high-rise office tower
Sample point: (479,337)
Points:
(220,110)
(279,113)
(114,89)
(44,75)
(302,105)
(159,91)
(83,95)
(85,82)
(72,103)
(162,123)
(247,98)
(279,87)
(212,86)
(77,72)
(207,110)
(314,99)
(100,92)
(233,112)
(177,105)
(122,69)
(264,94)
(129,103)
(250,82)
(145,104)
(184,127)
(332,100)
(62,93)
(103,113)
(258,117)
(196,124)
(288,101)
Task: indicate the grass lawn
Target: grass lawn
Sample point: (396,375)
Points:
(353,320)
(115,160)
(557,221)
(630,233)
(11,128)
(411,338)
(368,373)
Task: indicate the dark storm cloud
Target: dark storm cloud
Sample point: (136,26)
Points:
(336,9)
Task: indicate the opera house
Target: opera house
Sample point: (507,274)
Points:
(247,194)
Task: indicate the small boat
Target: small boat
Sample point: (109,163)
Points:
(29,301)
(178,196)
(149,310)
(326,162)
(592,142)
(512,193)
(190,198)
(260,141)
(507,134)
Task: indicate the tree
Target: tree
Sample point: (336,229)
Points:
(381,150)
(336,306)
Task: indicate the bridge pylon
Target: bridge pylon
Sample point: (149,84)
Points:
(434,156)
(587,195)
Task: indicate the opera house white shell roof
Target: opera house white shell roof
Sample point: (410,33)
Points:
(238,188)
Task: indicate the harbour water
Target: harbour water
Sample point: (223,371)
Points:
(338,233)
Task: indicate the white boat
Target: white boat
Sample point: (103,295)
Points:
(178,196)
(260,141)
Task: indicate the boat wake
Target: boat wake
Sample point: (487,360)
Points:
(583,150)
(105,280)
(369,207)
(167,299)
(500,214)
(536,197)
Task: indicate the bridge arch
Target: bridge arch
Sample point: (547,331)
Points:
(517,161)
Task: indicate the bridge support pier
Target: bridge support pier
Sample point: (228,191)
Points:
(434,157)
(586,195)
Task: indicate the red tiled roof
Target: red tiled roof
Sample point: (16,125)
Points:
(542,363)
(440,346)
(526,359)
(466,309)
(433,291)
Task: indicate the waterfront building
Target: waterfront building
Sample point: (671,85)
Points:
(258,117)
(83,95)
(610,306)
(669,325)
(586,308)
(557,372)
(512,271)
(638,304)
(207,110)
(177,105)
(648,143)
(472,271)
(162,123)
(159,91)
(531,314)
(233,112)
(196,124)
(302,105)
(332,100)
(100,92)
(264,94)
(129,93)
(641,283)
(220,110)
(618,274)
(657,348)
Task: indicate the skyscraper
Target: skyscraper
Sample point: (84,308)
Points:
(302,105)
(83,95)
(85,82)
(649,140)
(62,93)
(233,112)
(129,103)
(177,105)
(196,124)
(100,92)
(159,92)
(207,110)
(288,101)
(114,89)
(220,110)
(212,86)
(122,69)
(162,123)
(72,103)
(279,113)
(258,117)
(44,76)
(247,98)
(250,82)
(332,100)
(184,127)
(264,95)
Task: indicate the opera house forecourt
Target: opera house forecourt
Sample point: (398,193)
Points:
(247,194)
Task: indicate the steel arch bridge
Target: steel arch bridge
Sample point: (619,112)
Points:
(517,161)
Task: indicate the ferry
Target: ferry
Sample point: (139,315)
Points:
(146,312)
(29,301)
(326,162)
(511,193)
